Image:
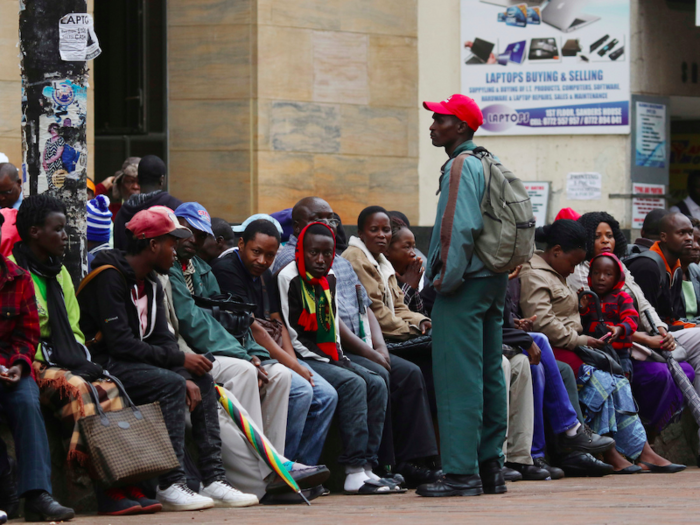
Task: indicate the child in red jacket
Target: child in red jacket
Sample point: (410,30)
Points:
(606,278)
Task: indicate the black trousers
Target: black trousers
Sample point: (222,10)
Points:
(408,426)
(146,384)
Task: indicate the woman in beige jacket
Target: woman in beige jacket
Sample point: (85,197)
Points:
(377,275)
(544,293)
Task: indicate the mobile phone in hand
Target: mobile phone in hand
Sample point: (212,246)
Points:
(606,336)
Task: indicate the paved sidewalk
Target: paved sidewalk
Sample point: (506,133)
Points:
(639,498)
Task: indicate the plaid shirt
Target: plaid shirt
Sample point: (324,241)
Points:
(19,319)
(346,281)
(412,299)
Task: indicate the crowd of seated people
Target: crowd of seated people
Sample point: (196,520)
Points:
(340,326)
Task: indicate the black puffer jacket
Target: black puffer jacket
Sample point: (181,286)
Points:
(135,204)
(106,306)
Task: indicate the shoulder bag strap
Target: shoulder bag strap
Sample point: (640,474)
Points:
(266,299)
(449,213)
(97,271)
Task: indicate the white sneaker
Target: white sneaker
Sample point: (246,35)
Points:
(225,495)
(179,497)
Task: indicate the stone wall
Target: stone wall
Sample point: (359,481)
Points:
(274,100)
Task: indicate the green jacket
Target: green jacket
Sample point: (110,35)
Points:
(72,307)
(200,330)
(467,224)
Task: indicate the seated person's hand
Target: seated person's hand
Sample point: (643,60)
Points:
(413,273)
(262,374)
(305,373)
(534,354)
(380,359)
(583,301)
(667,342)
(526,325)
(194,395)
(197,364)
(425,325)
(595,343)
(11,377)
(616,331)
(516,271)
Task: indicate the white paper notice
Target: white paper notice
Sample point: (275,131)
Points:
(651,135)
(77,40)
(539,198)
(583,186)
(642,205)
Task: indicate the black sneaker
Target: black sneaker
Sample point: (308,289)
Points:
(585,440)
(40,506)
(554,472)
(113,502)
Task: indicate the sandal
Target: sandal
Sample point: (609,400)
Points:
(371,487)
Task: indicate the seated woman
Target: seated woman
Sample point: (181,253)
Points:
(62,364)
(660,401)
(545,294)
(401,253)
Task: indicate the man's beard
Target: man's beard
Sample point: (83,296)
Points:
(162,271)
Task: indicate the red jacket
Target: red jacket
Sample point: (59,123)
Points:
(19,320)
(618,309)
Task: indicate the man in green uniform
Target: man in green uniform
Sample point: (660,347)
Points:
(467,319)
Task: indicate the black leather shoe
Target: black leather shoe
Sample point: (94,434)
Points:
(9,500)
(452,485)
(415,475)
(42,507)
(511,475)
(585,440)
(579,464)
(530,472)
(492,477)
(554,472)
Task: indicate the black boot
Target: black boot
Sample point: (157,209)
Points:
(452,485)
(529,472)
(555,472)
(40,506)
(9,500)
(492,477)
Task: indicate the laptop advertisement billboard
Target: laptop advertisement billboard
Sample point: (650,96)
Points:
(547,68)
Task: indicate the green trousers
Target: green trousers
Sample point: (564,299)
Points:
(469,385)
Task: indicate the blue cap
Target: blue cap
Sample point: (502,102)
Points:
(196,215)
(241,227)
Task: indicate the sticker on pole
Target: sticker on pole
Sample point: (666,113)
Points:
(77,39)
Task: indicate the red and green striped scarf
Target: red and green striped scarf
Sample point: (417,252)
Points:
(317,314)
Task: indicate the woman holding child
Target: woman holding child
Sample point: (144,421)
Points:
(660,401)
(607,397)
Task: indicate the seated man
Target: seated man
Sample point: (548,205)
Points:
(516,449)
(122,314)
(263,389)
(408,416)
(309,307)
(19,399)
(245,272)
(222,242)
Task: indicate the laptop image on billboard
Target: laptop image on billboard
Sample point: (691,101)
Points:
(481,49)
(566,15)
(508,3)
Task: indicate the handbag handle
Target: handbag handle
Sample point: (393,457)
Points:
(122,392)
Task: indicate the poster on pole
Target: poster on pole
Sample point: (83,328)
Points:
(546,68)
(651,135)
(539,198)
(643,205)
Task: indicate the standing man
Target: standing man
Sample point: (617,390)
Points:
(467,323)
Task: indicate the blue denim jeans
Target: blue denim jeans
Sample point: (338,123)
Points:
(21,405)
(309,417)
(550,396)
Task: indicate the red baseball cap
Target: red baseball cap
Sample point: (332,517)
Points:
(157,221)
(461,106)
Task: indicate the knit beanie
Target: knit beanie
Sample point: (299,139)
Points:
(99,219)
